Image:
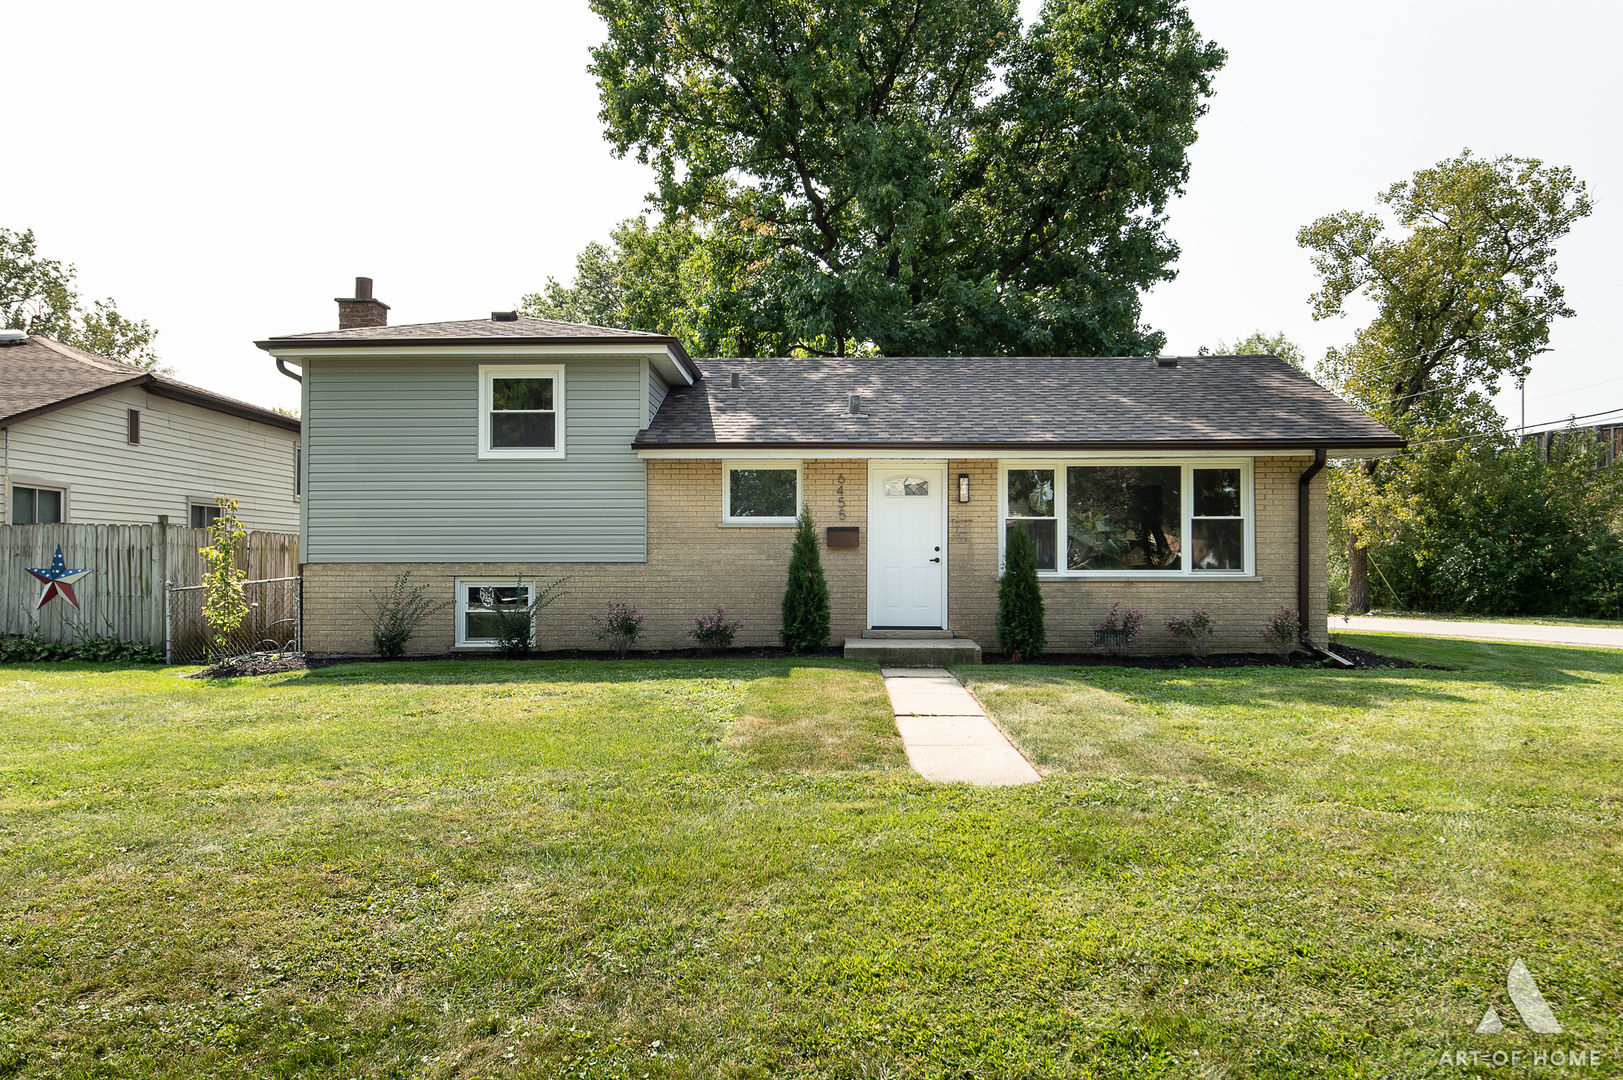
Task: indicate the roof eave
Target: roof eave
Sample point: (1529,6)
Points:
(285,345)
(205,400)
(63,403)
(1345,447)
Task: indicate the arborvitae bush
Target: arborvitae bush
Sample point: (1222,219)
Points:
(805,596)
(1020,630)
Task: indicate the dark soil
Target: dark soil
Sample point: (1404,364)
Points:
(272,663)
(1361,658)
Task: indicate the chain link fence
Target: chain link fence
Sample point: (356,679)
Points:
(274,622)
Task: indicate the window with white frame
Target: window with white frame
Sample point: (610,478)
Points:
(1088,518)
(521,412)
(481,605)
(761,492)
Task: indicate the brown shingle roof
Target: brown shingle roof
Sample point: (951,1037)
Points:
(39,376)
(1076,403)
(523,330)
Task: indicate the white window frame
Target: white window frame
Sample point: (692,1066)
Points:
(488,373)
(462,608)
(780,465)
(1187,497)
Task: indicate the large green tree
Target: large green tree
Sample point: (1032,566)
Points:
(41,296)
(910,176)
(1461,271)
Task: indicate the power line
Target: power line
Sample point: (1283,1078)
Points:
(1552,425)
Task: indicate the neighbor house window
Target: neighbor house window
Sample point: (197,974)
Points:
(1131,517)
(35,506)
(298,471)
(521,411)
(479,607)
(135,427)
(761,492)
(204,515)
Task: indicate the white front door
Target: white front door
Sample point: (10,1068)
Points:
(907,545)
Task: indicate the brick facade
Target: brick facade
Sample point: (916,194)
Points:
(695,563)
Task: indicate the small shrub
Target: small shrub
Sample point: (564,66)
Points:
(1281,631)
(224,606)
(713,631)
(620,626)
(1021,626)
(515,621)
(1195,631)
(398,612)
(805,594)
(1119,630)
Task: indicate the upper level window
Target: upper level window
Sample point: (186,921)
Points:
(134,433)
(35,506)
(204,515)
(761,492)
(521,411)
(1126,517)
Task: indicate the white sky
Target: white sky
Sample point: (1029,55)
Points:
(224,172)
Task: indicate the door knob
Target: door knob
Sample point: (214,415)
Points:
(935,560)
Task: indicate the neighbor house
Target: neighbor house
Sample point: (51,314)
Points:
(87,440)
(492,454)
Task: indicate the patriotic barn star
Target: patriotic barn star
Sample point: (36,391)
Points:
(58,580)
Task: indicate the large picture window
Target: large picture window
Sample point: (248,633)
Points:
(1132,518)
(521,411)
(761,492)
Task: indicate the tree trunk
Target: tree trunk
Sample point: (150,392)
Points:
(1357,577)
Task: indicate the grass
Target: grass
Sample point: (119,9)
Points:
(724,868)
(1454,616)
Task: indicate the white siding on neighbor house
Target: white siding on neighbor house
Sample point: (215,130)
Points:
(186,454)
(393,472)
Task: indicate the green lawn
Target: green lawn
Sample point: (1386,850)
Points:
(697,869)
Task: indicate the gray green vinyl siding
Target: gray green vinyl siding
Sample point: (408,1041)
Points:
(393,472)
(656,391)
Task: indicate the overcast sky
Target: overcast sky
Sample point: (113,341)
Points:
(226,170)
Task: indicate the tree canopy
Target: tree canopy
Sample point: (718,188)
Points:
(1258,343)
(1465,292)
(40,296)
(901,176)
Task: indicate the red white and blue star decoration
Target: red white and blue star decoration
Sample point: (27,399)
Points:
(58,580)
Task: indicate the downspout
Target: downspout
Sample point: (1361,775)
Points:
(282,367)
(1304,561)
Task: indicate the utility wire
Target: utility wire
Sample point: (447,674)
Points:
(1549,425)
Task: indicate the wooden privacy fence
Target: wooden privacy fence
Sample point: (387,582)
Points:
(123,596)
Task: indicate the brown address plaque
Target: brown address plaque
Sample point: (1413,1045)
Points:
(842,536)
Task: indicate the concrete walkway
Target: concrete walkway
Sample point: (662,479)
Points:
(949,737)
(1484,631)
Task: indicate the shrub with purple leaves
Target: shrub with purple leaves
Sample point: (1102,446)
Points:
(1119,630)
(713,631)
(1281,630)
(1194,631)
(619,626)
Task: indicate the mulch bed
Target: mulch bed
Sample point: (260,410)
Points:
(273,663)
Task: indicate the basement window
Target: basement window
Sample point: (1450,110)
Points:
(480,606)
(521,411)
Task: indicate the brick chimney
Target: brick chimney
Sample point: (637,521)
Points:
(361,309)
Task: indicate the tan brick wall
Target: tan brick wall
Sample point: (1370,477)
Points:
(1075,606)
(693,565)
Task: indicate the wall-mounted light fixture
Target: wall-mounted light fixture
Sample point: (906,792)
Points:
(963,487)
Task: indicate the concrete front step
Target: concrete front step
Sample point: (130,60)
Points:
(908,635)
(914,652)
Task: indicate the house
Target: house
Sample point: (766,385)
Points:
(88,440)
(490,454)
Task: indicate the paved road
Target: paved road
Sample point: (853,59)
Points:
(1484,631)
(948,736)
